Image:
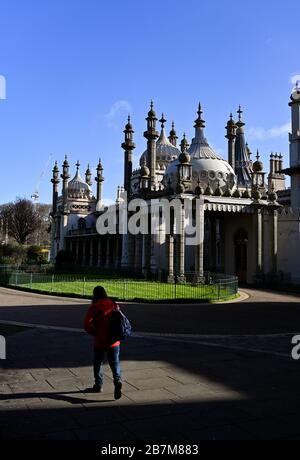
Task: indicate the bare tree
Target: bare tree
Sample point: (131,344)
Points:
(21,219)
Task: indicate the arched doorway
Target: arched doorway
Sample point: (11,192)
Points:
(241,254)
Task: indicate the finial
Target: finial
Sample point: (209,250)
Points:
(151,104)
(129,118)
(199,123)
(257,155)
(162,121)
(199,109)
(240,112)
(173,125)
(77,165)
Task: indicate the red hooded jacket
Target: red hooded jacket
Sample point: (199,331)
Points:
(96,322)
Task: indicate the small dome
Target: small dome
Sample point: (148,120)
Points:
(258,166)
(184,158)
(165,151)
(78,186)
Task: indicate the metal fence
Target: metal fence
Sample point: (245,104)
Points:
(216,287)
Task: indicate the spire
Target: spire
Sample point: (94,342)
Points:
(231,136)
(173,135)
(128,146)
(99,180)
(240,122)
(199,123)
(55,182)
(65,174)
(243,165)
(151,135)
(65,177)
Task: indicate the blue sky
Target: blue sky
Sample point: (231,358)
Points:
(74,68)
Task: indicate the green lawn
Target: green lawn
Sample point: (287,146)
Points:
(126,290)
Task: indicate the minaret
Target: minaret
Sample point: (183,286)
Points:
(173,135)
(99,179)
(88,176)
(128,146)
(242,163)
(151,135)
(55,181)
(65,177)
(231,136)
(294,171)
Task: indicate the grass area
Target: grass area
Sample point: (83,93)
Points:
(8,329)
(131,290)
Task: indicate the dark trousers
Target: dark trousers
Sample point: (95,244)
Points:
(113,356)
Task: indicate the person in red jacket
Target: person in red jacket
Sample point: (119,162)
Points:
(96,323)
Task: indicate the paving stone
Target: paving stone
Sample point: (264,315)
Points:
(151,395)
(148,384)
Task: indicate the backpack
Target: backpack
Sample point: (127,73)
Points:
(119,326)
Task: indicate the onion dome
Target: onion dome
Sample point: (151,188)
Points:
(207,165)
(77,186)
(88,176)
(165,151)
(184,157)
(258,165)
(295,96)
(184,145)
(231,128)
(151,113)
(173,135)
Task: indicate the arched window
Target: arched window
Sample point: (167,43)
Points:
(81,224)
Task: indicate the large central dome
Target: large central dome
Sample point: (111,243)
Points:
(208,167)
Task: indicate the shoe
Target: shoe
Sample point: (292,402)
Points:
(118,390)
(97,389)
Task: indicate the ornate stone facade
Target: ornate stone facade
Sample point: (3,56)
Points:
(246,226)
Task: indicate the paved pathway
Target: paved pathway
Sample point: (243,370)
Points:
(213,384)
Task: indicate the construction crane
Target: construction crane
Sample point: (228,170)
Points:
(36,194)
